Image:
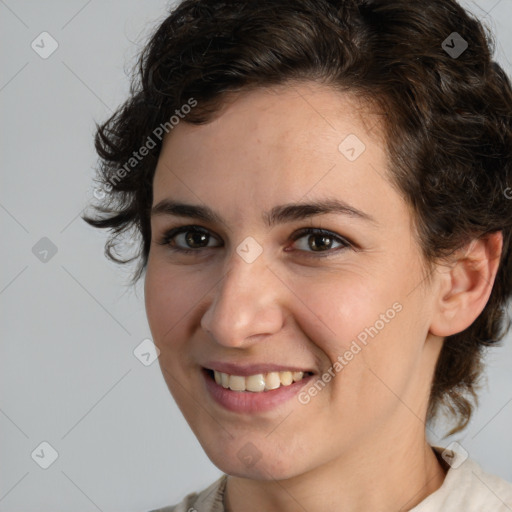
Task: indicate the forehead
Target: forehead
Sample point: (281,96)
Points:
(274,145)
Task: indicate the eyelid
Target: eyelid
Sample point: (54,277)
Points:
(316,231)
(170,234)
(345,243)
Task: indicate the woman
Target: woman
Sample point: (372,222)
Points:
(320,193)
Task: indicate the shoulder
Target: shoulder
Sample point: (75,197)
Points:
(467,487)
(490,489)
(207,500)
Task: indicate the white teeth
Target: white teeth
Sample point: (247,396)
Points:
(236,383)
(297,376)
(286,378)
(255,383)
(272,380)
(258,382)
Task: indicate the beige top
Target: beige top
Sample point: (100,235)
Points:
(466,488)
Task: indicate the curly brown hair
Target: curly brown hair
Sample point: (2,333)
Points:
(446,112)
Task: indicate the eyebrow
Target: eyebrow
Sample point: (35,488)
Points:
(279,214)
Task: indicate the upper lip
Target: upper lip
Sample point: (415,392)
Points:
(252,369)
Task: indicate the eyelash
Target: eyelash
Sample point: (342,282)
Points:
(169,235)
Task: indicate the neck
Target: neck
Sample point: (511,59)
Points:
(382,477)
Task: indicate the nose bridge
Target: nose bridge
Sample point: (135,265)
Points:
(245,303)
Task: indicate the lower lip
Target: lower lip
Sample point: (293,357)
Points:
(249,402)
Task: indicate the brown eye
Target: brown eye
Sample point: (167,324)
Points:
(319,241)
(194,240)
(188,239)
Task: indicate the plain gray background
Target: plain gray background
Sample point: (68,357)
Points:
(69,376)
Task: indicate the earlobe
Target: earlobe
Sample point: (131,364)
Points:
(466,285)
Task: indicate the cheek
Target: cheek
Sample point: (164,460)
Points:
(169,300)
(169,297)
(366,327)
(340,306)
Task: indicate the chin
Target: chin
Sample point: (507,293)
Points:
(244,460)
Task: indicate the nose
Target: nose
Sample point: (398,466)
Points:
(245,304)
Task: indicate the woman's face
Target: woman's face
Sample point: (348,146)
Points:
(257,293)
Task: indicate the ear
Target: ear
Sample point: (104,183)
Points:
(466,285)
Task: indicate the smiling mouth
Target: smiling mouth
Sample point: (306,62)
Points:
(257,383)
